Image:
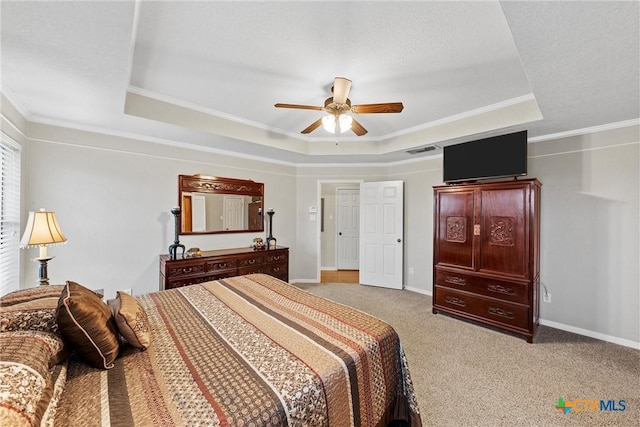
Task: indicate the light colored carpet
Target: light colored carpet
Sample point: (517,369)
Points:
(469,375)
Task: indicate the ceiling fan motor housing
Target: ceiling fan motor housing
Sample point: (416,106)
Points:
(336,109)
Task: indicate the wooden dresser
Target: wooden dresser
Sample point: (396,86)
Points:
(487,254)
(218,264)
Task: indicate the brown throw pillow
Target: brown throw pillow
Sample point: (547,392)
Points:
(131,320)
(86,323)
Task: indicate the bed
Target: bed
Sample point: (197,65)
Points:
(245,351)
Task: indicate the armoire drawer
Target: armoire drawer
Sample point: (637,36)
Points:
(488,308)
(501,289)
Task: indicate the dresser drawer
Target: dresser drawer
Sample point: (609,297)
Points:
(279,270)
(220,264)
(260,268)
(486,308)
(276,257)
(186,268)
(249,260)
(177,283)
(502,289)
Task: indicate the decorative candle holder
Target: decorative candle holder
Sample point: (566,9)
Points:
(173,249)
(271,241)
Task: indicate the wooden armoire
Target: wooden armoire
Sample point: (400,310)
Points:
(487,253)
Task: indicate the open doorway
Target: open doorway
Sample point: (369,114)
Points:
(339,231)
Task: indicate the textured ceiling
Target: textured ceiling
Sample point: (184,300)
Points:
(207,74)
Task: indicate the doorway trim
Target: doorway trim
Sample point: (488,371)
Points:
(318,202)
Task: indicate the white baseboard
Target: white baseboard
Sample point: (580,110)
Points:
(592,334)
(329,268)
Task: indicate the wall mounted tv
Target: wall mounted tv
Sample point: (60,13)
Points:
(495,157)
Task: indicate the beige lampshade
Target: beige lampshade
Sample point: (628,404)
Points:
(42,229)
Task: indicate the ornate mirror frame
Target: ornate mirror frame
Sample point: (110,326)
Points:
(239,194)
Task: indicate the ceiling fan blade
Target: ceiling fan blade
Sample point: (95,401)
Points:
(299,107)
(387,107)
(341,88)
(313,126)
(357,128)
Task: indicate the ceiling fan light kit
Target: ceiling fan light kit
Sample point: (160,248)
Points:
(337,121)
(333,123)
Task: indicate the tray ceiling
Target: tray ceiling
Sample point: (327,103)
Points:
(207,74)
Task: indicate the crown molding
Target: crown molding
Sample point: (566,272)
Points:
(15,102)
(30,118)
(155,140)
(585,131)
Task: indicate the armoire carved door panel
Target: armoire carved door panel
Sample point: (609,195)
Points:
(455,228)
(503,240)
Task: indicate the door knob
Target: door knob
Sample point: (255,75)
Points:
(340,233)
(399,240)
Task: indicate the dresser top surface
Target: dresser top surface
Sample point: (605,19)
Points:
(231,251)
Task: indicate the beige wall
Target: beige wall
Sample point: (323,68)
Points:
(113,195)
(590,231)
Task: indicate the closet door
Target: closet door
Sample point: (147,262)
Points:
(454,228)
(503,236)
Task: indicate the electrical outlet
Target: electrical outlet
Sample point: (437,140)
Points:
(547,297)
(410,270)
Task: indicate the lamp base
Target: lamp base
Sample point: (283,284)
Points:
(42,271)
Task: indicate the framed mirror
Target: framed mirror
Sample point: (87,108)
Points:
(210,205)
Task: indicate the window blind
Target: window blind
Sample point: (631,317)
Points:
(9,214)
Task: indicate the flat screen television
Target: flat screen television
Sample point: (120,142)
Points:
(495,157)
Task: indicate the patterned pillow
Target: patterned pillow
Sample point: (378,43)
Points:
(131,320)
(35,315)
(30,381)
(87,324)
(30,294)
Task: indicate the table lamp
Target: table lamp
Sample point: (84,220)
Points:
(42,230)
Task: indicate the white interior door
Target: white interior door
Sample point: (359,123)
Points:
(233,213)
(348,239)
(198,213)
(381,233)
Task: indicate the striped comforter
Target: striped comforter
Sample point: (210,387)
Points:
(248,351)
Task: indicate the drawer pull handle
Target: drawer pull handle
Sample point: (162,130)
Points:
(501,312)
(187,270)
(455,300)
(501,289)
(455,280)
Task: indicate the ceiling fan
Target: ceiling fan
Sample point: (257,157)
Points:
(338,105)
